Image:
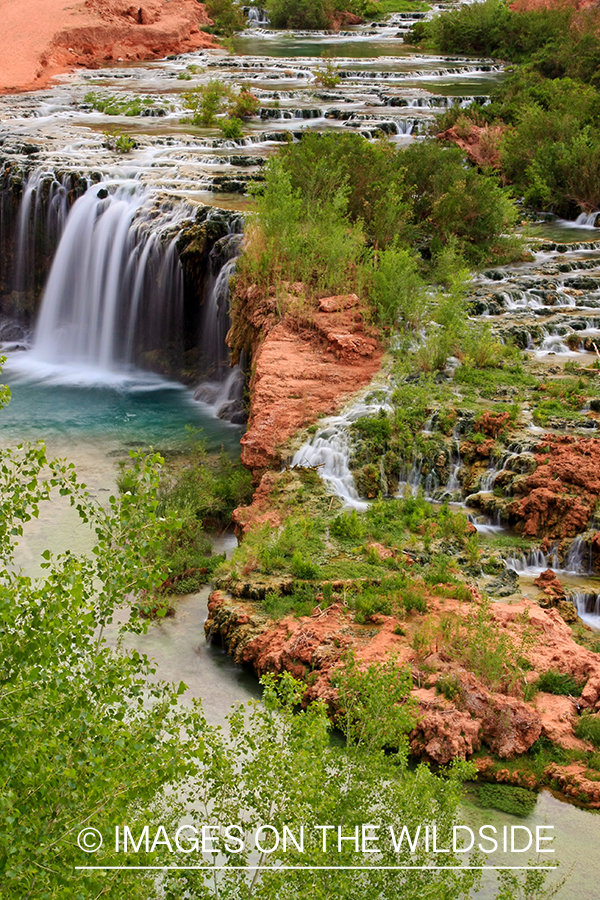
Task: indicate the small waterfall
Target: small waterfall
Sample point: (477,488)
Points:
(578,560)
(256,16)
(588,608)
(115,290)
(330,451)
(579,557)
(32,220)
(455,462)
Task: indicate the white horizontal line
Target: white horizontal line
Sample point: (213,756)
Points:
(311,868)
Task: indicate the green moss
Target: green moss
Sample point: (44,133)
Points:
(588,728)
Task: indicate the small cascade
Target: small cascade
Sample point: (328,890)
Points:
(29,240)
(330,452)
(115,290)
(552,343)
(485,525)
(215,321)
(534,563)
(455,462)
(588,608)
(579,557)
(578,560)
(225,397)
(584,220)
(256,16)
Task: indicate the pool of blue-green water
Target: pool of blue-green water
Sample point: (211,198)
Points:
(143,413)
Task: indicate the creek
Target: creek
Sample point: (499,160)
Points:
(97,309)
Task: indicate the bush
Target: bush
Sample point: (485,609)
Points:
(348,526)
(206,102)
(456,204)
(398,291)
(554,682)
(449,686)
(227,16)
(301,567)
(514,800)
(232,129)
(588,728)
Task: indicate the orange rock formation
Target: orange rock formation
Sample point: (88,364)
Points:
(42,38)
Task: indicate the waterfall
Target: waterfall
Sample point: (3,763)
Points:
(578,560)
(588,608)
(33,211)
(455,462)
(330,452)
(115,288)
(329,449)
(225,391)
(256,15)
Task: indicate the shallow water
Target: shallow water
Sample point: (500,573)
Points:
(117,412)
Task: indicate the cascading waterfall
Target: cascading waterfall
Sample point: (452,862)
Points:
(115,288)
(578,560)
(329,450)
(225,390)
(588,608)
(42,216)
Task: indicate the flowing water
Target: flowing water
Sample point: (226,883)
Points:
(97,231)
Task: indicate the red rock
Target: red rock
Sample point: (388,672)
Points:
(301,370)
(560,495)
(549,583)
(480,143)
(60,35)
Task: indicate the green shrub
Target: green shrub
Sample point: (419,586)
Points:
(244,104)
(455,202)
(301,567)
(300,13)
(554,682)
(588,728)
(369,603)
(232,129)
(448,685)
(413,599)
(227,16)
(514,800)
(398,291)
(327,75)
(348,526)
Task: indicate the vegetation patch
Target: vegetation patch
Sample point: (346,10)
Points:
(514,800)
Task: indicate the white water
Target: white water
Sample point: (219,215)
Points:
(329,450)
(577,562)
(112,277)
(588,608)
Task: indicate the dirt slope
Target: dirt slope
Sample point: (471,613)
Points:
(41,38)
